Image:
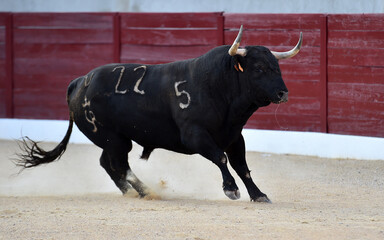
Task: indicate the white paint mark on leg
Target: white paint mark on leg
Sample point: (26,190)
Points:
(92,120)
(131,177)
(178,94)
(119,80)
(138,185)
(136,88)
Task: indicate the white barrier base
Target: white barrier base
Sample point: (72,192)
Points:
(280,142)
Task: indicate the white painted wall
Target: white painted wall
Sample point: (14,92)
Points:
(238,6)
(281,142)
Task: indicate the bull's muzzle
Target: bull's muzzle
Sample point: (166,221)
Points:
(282,96)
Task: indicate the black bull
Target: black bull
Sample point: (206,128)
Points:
(193,106)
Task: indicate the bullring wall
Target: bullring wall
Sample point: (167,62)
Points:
(336,82)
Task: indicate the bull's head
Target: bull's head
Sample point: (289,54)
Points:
(260,68)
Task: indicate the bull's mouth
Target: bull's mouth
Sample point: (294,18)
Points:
(280,101)
(280,97)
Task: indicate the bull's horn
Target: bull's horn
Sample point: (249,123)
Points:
(234,50)
(290,53)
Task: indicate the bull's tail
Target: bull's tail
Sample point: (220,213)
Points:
(32,155)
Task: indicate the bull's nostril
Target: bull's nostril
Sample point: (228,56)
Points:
(283,96)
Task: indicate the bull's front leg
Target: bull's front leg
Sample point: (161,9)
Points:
(200,141)
(236,155)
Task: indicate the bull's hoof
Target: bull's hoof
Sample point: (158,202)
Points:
(262,199)
(233,195)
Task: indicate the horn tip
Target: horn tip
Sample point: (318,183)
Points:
(300,40)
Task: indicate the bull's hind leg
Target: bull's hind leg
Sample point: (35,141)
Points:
(117,175)
(114,160)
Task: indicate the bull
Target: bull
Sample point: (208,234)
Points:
(195,106)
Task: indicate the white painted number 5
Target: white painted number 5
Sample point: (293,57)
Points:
(178,94)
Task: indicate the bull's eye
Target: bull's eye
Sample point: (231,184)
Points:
(259,70)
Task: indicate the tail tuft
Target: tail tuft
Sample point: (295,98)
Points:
(32,155)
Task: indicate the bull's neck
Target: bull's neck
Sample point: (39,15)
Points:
(240,110)
(233,100)
(241,106)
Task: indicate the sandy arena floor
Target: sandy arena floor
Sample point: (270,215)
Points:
(74,198)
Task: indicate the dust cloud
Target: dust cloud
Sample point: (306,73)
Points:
(167,174)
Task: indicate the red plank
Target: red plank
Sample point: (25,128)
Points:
(63,36)
(356,110)
(220,30)
(2,50)
(356,74)
(373,93)
(25,80)
(3,106)
(116,38)
(356,39)
(64,20)
(4,81)
(272,21)
(293,71)
(164,54)
(168,37)
(44,103)
(9,97)
(296,105)
(356,57)
(59,112)
(45,96)
(284,122)
(2,33)
(303,89)
(55,52)
(169,20)
(61,67)
(3,73)
(352,22)
(323,74)
(359,127)
(3,17)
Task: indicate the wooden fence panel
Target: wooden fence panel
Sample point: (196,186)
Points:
(152,38)
(280,32)
(50,50)
(3,69)
(6,94)
(356,74)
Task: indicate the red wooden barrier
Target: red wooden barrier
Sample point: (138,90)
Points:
(336,82)
(51,49)
(356,74)
(6,84)
(154,38)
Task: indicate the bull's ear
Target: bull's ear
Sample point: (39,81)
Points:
(240,63)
